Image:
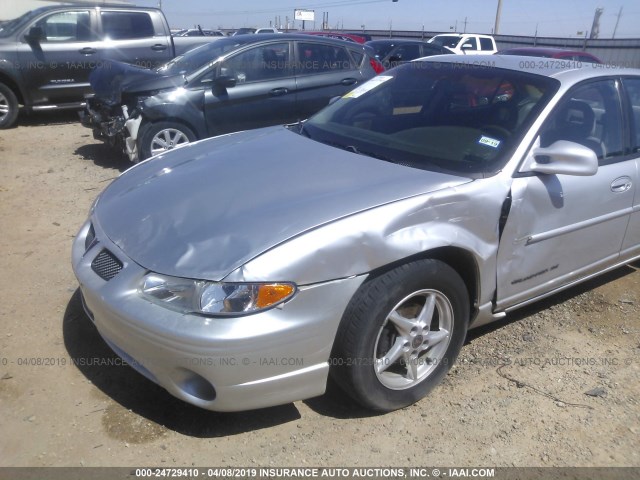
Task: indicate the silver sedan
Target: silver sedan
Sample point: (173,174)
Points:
(242,271)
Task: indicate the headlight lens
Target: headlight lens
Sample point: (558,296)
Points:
(213,298)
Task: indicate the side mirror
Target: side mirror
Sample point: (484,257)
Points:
(467,46)
(562,158)
(35,34)
(223,82)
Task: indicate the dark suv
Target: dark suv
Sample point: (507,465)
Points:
(231,84)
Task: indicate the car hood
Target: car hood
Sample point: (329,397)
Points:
(112,79)
(207,208)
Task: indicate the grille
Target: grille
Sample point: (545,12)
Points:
(106,265)
(91,236)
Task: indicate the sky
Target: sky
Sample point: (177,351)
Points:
(565,18)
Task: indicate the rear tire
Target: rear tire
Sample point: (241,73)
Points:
(400,335)
(9,107)
(160,137)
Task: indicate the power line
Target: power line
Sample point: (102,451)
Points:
(335,4)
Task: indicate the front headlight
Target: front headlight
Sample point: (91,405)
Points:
(213,298)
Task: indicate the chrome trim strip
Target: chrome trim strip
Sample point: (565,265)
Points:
(539,237)
(62,106)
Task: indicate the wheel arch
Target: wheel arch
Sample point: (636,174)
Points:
(190,114)
(13,85)
(148,121)
(462,261)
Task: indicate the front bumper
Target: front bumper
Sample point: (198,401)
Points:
(118,130)
(223,364)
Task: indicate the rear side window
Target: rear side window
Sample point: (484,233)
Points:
(126,25)
(261,63)
(357,58)
(406,53)
(632,87)
(316,58)
(486,44)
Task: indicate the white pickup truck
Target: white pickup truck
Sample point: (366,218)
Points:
(466,43)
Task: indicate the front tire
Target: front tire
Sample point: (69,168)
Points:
(400,335)
(160,137)
(9,107)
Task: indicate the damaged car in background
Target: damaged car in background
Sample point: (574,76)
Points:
(363,243)
(231,84)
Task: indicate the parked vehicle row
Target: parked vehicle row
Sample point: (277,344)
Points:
(362,244)
(235,83)
(199,32)
(393,52)
(47,54)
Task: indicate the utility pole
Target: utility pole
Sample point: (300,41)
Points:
(160,4)
(615,29)
(595,28)
(465,25)
(497,22)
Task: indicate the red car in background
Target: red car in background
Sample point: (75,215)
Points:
(550,52)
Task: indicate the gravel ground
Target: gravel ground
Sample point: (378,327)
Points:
(555,384)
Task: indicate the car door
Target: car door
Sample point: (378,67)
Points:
(469,46)
(56,54)
(134,37)
(631,243)
(264,92)
(323,71)
(561,228)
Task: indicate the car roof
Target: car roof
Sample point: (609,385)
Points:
(459,35)
(566,72)
(307,38)
(329,34)
(396,41)
(550,50)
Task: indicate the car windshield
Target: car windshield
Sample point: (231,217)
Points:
(446,41)
(448,117)
(200,56)
(9,28)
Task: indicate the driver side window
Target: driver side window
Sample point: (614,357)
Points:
(589,115)
(66,27)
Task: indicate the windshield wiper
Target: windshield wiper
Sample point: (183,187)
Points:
(379,156)
(299,128)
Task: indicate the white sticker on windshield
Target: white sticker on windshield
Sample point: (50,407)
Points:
(491,142)
(365,87)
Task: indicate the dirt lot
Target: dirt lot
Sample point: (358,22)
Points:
(66,401)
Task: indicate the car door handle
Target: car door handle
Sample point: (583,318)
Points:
(87,51)
(278,92)
(621,184)
(158,47)
(349,81)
